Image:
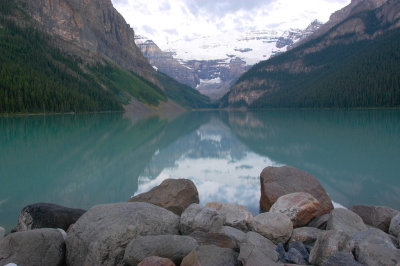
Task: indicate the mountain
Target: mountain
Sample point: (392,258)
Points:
(211,64)
(72,56)
(351,61)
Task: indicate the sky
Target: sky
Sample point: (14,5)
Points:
(165,21)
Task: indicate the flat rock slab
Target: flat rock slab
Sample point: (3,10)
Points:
(200,218)
(376,216)
(172,194)
(346,221)
(280,181)
(236,215)
(101,235)
(300,207)
(211,256)
(173,247)
(277,227)
(47,215)
(156,261)
(33,247)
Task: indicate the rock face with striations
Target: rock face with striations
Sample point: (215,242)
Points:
(91,29)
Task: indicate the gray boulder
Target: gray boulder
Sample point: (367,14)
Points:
(306,235)
(346,221)
(328,243)
(33,247)
(101,235)
(235,234)
(376,216)
(173,247)
(211,256)
(277,227)
(200,218)
(394,228)
(251,255)
(371,254)
(375,236)
(261,243)
(2,232)
(236,215)
(342,259)
(47,215)
(172,194)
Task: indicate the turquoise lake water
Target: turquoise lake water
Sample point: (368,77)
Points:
(83,160)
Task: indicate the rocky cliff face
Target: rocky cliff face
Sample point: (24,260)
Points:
(90,29)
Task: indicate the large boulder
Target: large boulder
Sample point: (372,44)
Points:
(172,194)
(260,243)
(211,255)
(346,221)
(33,247)
(173,247)
(394,227)
(101,235)
(328,243)
(306,235)
(47,215)
(277,227)
(301,207)
(371,254)
(200,218)
(236,215)
(156,261)
(251,255)
(376,236)
(279,181)
(376,216)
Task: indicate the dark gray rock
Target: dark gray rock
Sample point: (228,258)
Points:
(47,215)
(101,235)
(33,247)
(375,236)
(251,255)
(235,234)
(299,246)
(216,239)
(346,221)
(173,247)
(342,259)
(377,255)
(328,243)
(281,251)
(200,218)
(306,235)
(172,194)
(319,222)
(277,227)
(394,228)
(376,216)
(211,256)
(294,256)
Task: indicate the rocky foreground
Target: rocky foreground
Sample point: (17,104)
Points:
(167,226)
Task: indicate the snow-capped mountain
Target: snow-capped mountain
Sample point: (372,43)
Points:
(212,63)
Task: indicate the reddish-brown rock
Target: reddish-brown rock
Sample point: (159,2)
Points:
(279,181)
(172,194)
(156,261)
(301,207)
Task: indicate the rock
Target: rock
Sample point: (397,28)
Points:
(341,258)
(300,207)
(294,256)
(235,234)
(319,222)
(251,255)
(328,243)
(173,247)
(346,221)
(47,215)
(279,181)
(2,232)
(33,247)
(216,239)
(306,235)
(172,194)
(211,256)
(100,236)
(156,261)
(236,215)
(375,255)
(282,252)
(300,248)
(394,228)
(262,243)
(375,236)
(376,216)
(199,218)
(277,227)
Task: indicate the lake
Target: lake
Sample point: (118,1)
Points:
(83,160)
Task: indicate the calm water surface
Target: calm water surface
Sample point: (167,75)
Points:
(83,160)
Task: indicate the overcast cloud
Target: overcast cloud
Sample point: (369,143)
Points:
(168,20)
